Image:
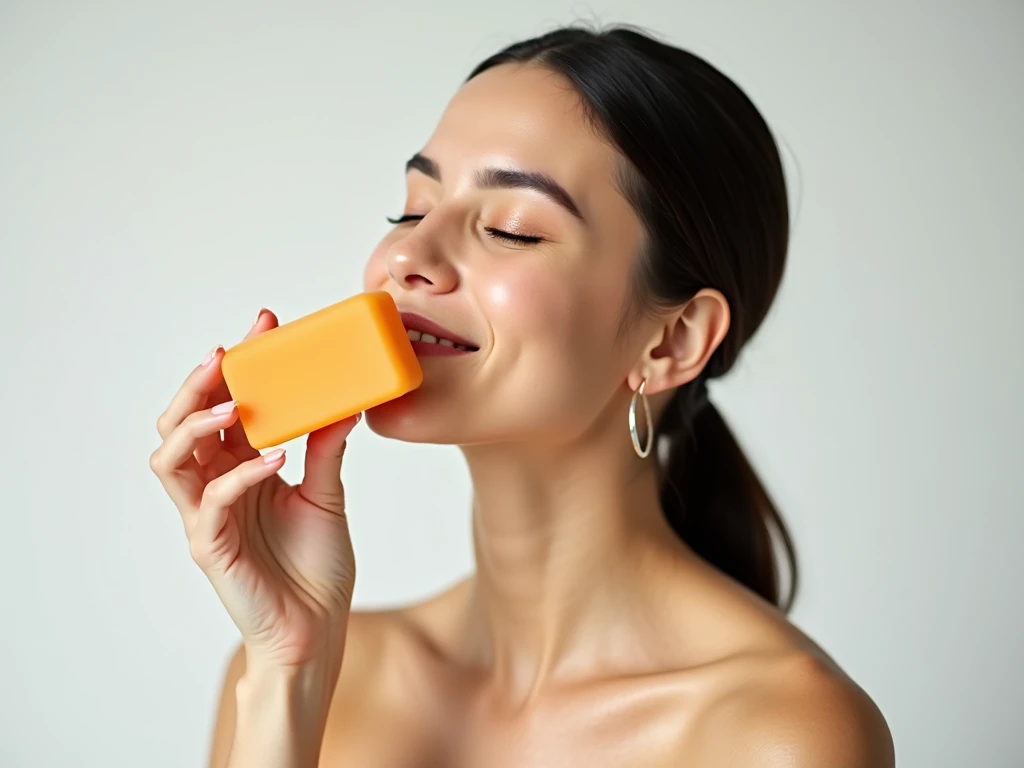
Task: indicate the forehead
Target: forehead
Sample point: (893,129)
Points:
(527,117)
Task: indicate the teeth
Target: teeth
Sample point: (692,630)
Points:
(427,338)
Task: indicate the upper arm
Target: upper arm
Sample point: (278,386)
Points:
(224,725)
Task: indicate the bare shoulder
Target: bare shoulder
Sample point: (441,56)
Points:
(398,642)
(797,710)
(777,700)
(770,696)
(385,653)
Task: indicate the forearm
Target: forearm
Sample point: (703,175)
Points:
(281,714)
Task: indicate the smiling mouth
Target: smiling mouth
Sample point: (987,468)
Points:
(427,340)
(429,337)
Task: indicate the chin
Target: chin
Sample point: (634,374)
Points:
(412,419)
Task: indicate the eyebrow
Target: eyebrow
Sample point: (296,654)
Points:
(503,178)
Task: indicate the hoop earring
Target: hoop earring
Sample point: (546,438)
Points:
(641,452)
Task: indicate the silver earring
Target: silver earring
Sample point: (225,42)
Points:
(641,452)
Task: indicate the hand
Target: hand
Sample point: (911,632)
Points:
(278,556)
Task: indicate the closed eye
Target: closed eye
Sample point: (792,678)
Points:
(498,234)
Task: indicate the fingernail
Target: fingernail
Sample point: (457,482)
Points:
(223,408)
(359,417)
(270,458)
(259,315)
(211,355)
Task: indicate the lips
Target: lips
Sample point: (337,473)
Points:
(416,322)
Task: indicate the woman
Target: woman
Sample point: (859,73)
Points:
(597,225)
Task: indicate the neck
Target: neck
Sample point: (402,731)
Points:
(566,545)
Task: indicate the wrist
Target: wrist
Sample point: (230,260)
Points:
(282,711)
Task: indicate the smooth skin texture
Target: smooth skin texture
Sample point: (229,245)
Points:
(589,634)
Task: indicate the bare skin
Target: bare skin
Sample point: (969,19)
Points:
(589,634)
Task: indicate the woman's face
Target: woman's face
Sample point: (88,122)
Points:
(543,313)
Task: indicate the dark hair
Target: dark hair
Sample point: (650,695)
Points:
(704,175)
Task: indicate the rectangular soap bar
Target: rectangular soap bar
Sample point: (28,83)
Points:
(321,368)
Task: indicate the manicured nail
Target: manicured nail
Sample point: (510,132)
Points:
(270,458)
(211,355)
(259,315)
(359,417)
(220,410)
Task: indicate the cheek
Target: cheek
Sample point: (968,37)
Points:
(554,368)
(522,303)
(535,308)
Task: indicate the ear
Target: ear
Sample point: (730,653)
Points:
(682,346)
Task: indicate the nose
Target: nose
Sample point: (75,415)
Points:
(415,265)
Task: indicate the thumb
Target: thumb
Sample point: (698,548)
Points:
(325,447)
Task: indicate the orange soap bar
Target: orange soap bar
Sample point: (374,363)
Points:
(321,368)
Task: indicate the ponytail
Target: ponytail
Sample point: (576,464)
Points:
(714,501)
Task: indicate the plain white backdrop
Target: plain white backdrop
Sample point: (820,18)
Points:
(167,169)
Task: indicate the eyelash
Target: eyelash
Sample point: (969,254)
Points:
(497,234)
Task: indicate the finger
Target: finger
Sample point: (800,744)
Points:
(325,448)
(211,548)
(234,437)
(193,394)
(180,483)
(174,461)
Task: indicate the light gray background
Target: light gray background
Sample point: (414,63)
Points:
(166,169)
